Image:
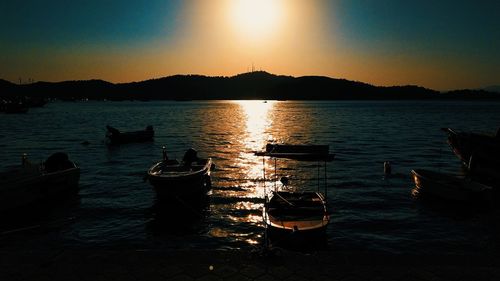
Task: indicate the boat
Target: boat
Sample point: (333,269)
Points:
(292,217)
(479,153)
(296,216)
(115,137)
(30,184)
(451,188)
(182,181)
(467,145)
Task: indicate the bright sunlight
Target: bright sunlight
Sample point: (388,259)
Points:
(256,19)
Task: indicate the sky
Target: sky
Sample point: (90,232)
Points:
(436,44)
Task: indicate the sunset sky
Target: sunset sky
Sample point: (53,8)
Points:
(438,44)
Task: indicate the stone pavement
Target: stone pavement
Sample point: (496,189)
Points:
(235,265)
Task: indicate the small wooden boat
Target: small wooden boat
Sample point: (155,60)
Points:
(480,154)
(114,136)
(296,218)
(31,184)
(186,180)
(450,187)
(486,148)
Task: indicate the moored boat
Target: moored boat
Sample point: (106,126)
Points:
(449,187)
(468,145)
(480,153)
(186,180)
(30,184)
(296,218)
(114,136)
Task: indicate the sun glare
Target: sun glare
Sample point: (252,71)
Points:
(256,19)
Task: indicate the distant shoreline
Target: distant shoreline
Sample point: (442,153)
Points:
(257,85)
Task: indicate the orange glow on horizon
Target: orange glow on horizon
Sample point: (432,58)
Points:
(227,37)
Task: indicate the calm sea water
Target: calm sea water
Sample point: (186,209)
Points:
(115,207)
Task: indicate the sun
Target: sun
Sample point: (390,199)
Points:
(256,19)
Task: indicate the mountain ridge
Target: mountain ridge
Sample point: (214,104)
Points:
(250,85)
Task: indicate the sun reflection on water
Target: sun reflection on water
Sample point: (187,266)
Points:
(252,122)
(258,121)
(258,132)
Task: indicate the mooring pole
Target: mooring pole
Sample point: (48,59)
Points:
(326,184)
(275,175)
(264,173)
(318,174)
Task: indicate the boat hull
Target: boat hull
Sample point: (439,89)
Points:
(39,188)
(467,146)
(480,154)
(192,186)
(450,188)
(285,237)
(115,137)
(302,221)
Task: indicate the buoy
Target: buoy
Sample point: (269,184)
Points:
(24,159)
(387,168)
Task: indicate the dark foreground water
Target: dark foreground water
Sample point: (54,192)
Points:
(114,208)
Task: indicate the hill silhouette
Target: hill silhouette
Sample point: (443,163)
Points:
(252,85)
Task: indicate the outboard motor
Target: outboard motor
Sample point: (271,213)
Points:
(190,156)
(284,181)
(57,162)
(112,130)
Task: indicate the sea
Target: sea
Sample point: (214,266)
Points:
(116,207)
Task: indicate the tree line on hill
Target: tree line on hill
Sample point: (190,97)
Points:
(252,85)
